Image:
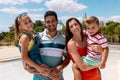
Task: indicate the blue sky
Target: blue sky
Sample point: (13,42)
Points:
(105,10)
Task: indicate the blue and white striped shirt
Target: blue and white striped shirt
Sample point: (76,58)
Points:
(52,49)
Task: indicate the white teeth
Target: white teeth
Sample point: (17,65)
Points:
(76,30)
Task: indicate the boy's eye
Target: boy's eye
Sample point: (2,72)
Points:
(93,27)
(87,28)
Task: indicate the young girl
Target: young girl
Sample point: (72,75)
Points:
(29,43)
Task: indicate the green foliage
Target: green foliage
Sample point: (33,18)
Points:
(2,35)
(39,26)
(111,30)
(63,29)
(10,38)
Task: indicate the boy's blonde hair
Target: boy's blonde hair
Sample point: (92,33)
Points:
(91,19)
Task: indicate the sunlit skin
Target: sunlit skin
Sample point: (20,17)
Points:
(92,28)
(51,23)
(74,27)
(26,24)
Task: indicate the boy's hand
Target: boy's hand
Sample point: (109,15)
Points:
(102,65)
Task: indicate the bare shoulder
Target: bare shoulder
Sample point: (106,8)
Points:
(24,38)
(71,44)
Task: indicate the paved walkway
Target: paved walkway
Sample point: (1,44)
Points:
(8,53)
(111,72)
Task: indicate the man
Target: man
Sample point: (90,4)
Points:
(52,48)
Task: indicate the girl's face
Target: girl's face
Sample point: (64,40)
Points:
(92,28)
(74,27)
(26,24)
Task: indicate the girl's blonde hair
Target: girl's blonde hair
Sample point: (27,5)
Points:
(17,24)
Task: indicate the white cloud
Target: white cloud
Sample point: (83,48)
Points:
(35,17)
(4,28)
(13,2)
(13,10)
(115,18)
(80,19)
(103,19)
(37,1)
(34,10)
(65,17)
(112,18)
(65,6)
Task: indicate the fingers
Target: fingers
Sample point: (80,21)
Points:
(96,48)
(31,70)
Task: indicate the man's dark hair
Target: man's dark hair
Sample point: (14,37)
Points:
(50,13)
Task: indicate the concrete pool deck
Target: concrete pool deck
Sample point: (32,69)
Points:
(13,70)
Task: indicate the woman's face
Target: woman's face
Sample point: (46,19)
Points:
(74,27)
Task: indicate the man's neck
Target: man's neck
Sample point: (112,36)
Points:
(51,34)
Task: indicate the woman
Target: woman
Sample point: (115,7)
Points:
(77,47)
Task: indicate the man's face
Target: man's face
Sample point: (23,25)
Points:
(51,23)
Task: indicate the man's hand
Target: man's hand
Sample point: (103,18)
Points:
(54,74)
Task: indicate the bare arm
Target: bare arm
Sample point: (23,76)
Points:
(72,49)
(55,72)
(24,40)
(64,63)
(104,58)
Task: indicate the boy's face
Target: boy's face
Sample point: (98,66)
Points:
(92,28)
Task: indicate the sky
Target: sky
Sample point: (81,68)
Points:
(105,10)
